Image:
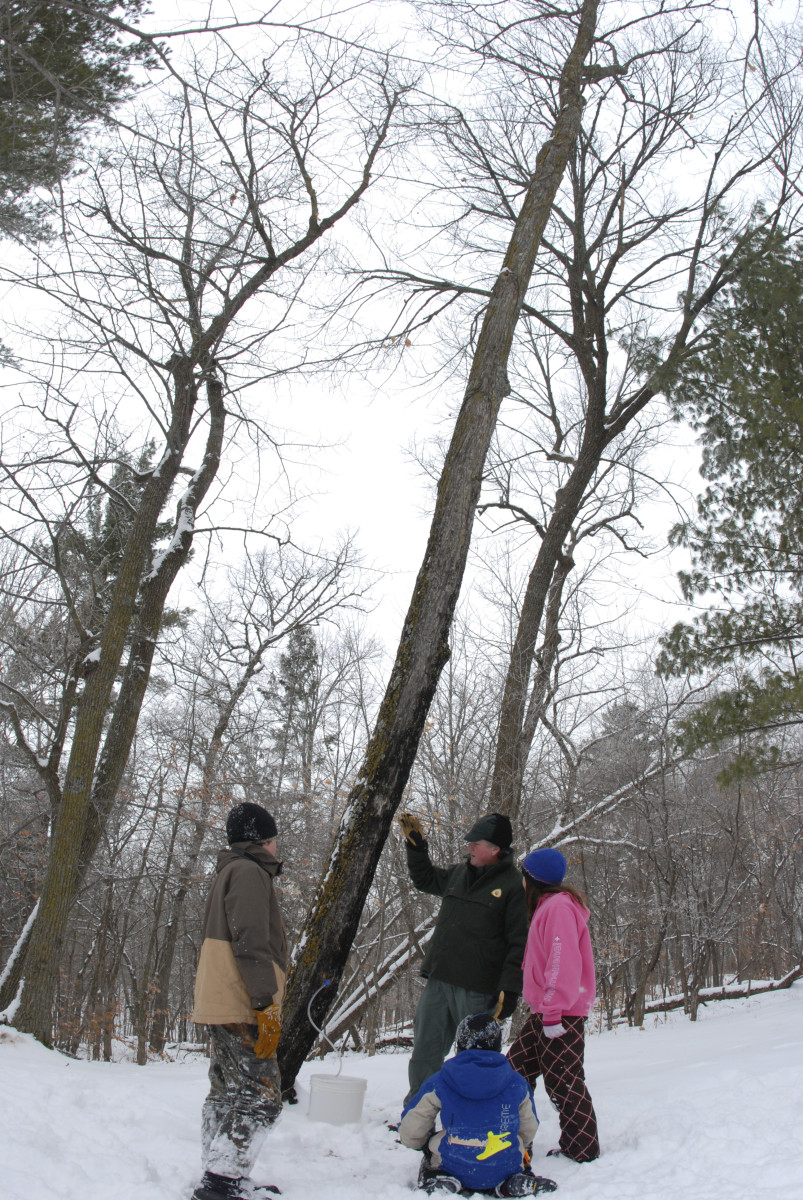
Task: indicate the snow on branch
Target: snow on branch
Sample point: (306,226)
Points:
(382,977)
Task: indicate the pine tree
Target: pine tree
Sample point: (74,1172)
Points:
(62,66)
(294,738)
(743,393)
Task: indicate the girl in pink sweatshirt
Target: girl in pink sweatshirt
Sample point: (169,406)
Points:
(559,988)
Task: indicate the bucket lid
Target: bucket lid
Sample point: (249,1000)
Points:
(335,1079)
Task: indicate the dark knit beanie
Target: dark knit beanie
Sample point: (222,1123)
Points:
(480,1032)
(494,828)
(545,865)
(250,823)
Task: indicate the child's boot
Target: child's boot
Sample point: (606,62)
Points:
(524,1183)
(431,1180)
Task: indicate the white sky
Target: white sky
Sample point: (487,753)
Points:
(369,484)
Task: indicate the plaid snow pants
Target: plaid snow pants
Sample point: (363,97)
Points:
(245,1098)
(560,1061)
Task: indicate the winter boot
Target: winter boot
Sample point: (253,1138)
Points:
(524,1183)
(431,1180)
(440,1181)
(224,1187)
(217,1187)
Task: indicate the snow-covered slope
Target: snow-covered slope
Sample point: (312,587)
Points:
(705,1111)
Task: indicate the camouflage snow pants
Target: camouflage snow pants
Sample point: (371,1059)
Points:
(245,1098)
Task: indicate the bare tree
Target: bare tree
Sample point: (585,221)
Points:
(212,203)
(423,648)
(604,326)
(273,595)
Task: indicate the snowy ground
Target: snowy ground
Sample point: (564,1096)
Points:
(706,1110)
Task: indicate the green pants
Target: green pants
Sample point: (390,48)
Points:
(440,1010)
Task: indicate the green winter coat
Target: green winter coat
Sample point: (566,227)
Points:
(481,930)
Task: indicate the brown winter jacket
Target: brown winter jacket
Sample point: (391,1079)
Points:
(243,961)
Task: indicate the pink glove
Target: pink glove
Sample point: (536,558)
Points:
(553,1031)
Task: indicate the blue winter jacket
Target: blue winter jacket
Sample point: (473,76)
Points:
(487,1116)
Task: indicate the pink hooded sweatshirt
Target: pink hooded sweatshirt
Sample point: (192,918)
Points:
(558,963)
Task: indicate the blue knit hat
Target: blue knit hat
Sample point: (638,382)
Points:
(545,866)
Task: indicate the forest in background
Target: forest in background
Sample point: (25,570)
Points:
(178,255)
(692,884)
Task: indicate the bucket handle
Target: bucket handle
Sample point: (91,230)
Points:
(326,983)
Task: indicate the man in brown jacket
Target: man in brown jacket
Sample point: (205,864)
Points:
(239,989)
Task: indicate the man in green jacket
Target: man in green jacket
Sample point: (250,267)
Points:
(473,960)
(239,989)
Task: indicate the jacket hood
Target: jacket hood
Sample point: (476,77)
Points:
(567,901)
(477,1074)
(252,850)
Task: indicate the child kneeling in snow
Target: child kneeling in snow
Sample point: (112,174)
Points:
(488,1117)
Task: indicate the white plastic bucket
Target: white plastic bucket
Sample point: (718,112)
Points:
(336,1098)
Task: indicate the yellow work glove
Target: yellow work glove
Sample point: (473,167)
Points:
(411,828)
(506,1006)
(269,1023)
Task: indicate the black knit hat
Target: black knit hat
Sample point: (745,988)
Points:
(250,823)
(480,1032)
(494,828)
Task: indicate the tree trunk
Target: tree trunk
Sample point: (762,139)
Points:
(423,649)
(729,992)
(513,743)
(92,778)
